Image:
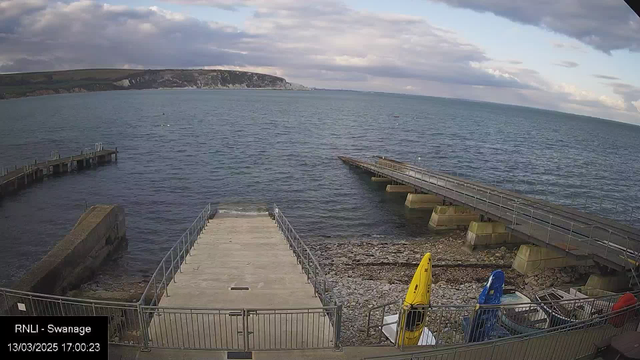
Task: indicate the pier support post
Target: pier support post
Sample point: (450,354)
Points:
(422,201)
(381,179)
(531,259)
(489,234)
(400,189)
(451,217)
(614,283)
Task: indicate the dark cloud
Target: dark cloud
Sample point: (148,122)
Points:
(323,42)
(12,10)
(89,34)
(606,25)
(606,77)
(567,64)
(298,36)
(29,65)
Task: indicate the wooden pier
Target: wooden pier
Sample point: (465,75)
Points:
(22,177)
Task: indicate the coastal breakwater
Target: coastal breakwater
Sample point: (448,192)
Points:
(99,233)
(19,178)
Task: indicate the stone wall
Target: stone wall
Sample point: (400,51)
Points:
(99,232)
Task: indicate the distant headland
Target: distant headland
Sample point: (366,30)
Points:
(86,80)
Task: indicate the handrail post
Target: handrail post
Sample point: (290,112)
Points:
(164,279)
(487,205)
(143,327)
(530,222)
(245,329)
(184,250)
(155,289)
(179,259)
(337,327)
(173,271)
(570,235)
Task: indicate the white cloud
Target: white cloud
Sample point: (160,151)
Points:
(495,72)
(323,43)
(588,96)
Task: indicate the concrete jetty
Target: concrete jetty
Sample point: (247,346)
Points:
(242,266)
(241,261)
(99,233)
(574,233)
(18,178)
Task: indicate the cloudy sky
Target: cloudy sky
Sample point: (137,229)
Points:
(578,56)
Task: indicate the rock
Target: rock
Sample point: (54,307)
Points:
(370,272)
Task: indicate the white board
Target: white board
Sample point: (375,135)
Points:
(390,330)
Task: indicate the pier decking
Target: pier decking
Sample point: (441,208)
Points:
(575,233)
(22,177)
(243,276)
(243,252)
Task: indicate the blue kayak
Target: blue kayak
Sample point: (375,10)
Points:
(483,325)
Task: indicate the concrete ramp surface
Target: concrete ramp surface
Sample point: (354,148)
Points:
(241,263)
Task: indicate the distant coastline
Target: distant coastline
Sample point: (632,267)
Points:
(19,85)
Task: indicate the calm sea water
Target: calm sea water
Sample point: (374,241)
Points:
(180,149)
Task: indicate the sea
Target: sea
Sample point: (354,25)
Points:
(182,149)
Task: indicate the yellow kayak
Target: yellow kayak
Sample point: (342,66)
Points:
(419,293)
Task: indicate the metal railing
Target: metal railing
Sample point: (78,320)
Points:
(242,329)
(459,324)
(172,262)
(190,328)
(147,325)
(125,325)
(535,223)
(567,342)
(305,258)
(599,205)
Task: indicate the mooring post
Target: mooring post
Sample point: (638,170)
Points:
(116,154)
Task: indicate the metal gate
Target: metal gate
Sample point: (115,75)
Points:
(241,329)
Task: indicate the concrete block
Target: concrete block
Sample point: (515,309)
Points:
(489,234)
(381,179)
(451,217)
(585,291)
(422,201)
(99,232)
(400,188)
(614,283)
(532,258)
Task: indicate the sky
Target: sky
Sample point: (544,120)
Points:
(577,56)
